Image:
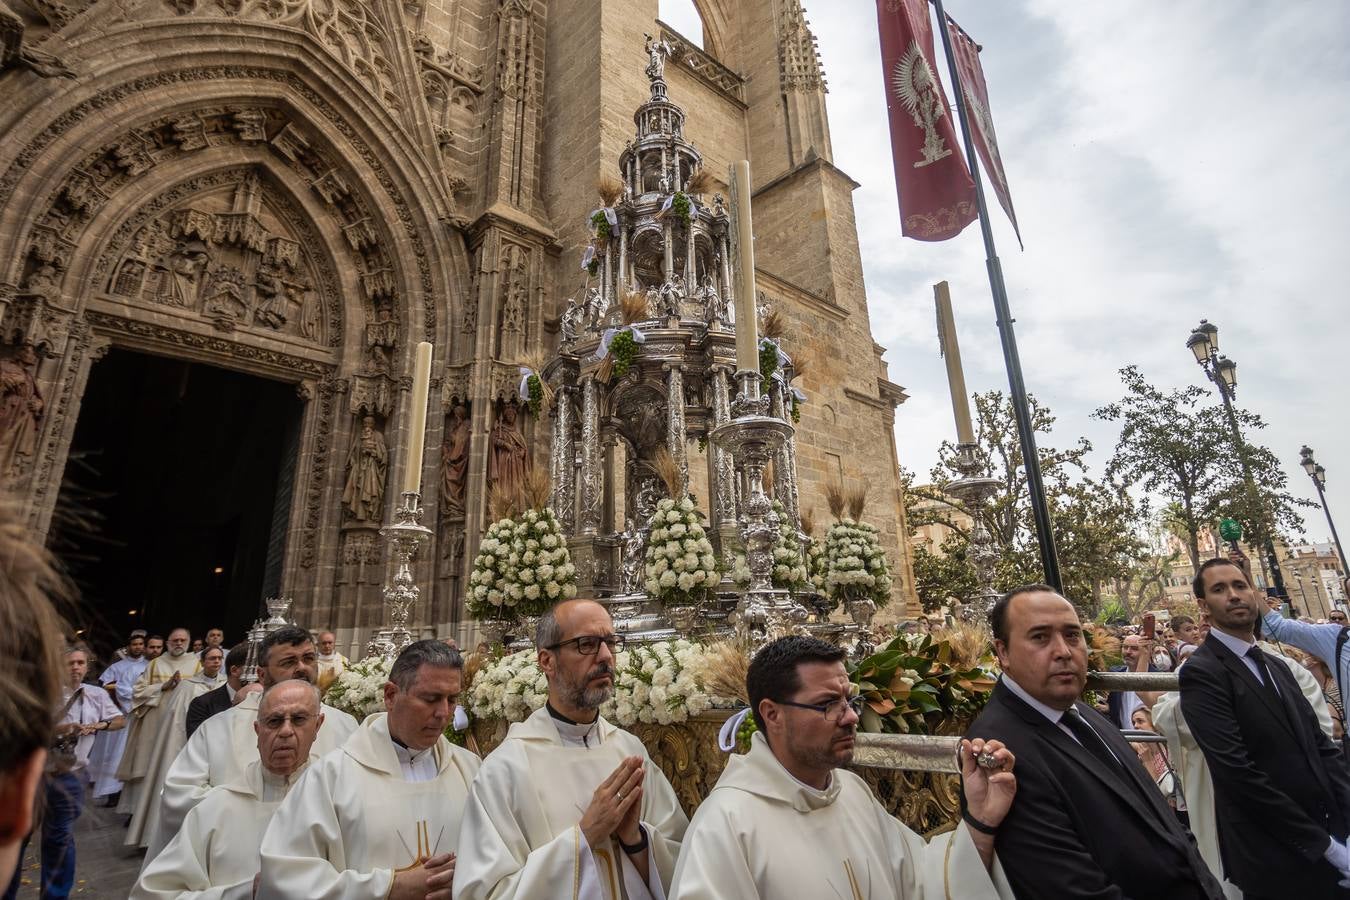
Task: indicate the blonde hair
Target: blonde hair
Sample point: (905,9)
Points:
(32,641)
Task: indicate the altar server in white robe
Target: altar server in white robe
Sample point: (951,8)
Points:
(143,762)
(569,806)
(214,856)
(1196,785)
(224,745)
(331,662)
(785,821)
(118,679)
(169,741)
(380,817)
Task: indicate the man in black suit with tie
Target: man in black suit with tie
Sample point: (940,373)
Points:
(1088,821)
(1281,788)
(222,698)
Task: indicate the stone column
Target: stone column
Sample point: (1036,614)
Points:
(592,478)
(668,238)
(560,461)
(675,432)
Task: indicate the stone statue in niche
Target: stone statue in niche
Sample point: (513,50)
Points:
(455,461)
(671,294)
(271,309)
(310,310)
(21,409)
(510,457)
(44,281)
(183,274)
(596,308)
(367,464)
(570,322)
(381,336)
(515,297)
(714,305)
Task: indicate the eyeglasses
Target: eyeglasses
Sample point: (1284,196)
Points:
(589,644)
(832,711)
(276,720)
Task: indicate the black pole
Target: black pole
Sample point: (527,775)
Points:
(1040,509)
(1345,569)
(1269,546)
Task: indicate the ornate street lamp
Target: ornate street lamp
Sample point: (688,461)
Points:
(1222,371)
(1319,476)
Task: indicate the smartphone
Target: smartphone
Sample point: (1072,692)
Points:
(1148,626)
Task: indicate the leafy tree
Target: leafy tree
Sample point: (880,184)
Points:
(944,576)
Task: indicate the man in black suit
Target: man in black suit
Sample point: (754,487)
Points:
(222,698)
(1088,821)
(1281,788)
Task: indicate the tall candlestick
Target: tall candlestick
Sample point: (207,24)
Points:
(747,325)
(951,350)
(417,423)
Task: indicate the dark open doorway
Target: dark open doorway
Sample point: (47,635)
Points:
(174,503)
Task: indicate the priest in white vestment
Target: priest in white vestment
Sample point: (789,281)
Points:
(118,680)
(224,745)
(569,806)
(214,856)
(784,821)
(143,764)
(331,663)
(380,817)
(169,740)
(1189,761)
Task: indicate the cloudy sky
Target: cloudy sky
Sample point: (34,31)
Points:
(1168,162)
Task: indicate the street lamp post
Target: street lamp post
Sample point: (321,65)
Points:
(1319,477)
(1222,371)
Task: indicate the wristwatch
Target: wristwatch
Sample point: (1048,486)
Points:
(635,849)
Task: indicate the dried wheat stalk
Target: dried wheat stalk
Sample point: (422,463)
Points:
(633,307)
(700,182)
(535,362)
(773,325)
(857,502)
(610,189)
(836,499)
(725,667)
(502,504)
(809,522)
(668,470)
(535,489)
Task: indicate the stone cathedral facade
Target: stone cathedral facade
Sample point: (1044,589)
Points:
(302,190)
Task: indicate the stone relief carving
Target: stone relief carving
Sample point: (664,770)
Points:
(515,288)
(21,411)
(367,466)
(329,389)
(455,461)
(510,455)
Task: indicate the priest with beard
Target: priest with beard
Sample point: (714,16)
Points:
(143,762)
(214,856)
(569,806)
(380,817)
(786,820)
(331,662)
(225,744)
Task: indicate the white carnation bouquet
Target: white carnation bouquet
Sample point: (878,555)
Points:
(660,683)
(359,690)
(680,567)
(856,567)
(789,566)
(522,568)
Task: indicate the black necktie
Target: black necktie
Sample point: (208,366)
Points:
(1087,736)
(1258,656)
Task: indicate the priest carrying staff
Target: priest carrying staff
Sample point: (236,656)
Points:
(569,806)
(224,745)
(215,853)
(379,817)
(785,820)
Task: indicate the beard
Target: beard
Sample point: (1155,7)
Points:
(177,651)
(581,695)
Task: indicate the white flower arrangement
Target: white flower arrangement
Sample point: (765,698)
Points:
(522,568)
(359,690)
(789,568)
(660,683)
(680,567)
(856,567)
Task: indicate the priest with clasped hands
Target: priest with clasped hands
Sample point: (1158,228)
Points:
(786,820)
(379,817)
(569,806)
(214,855)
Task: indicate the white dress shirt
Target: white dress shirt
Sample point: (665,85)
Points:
(1240,646)
(417,765)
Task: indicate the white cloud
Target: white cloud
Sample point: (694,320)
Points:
(1168,163)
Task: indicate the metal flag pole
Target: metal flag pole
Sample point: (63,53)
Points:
(1040,508)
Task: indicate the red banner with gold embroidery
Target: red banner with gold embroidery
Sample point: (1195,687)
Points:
(976,93)
(937,195)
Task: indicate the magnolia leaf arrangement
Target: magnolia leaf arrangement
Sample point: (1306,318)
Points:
(924,684)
